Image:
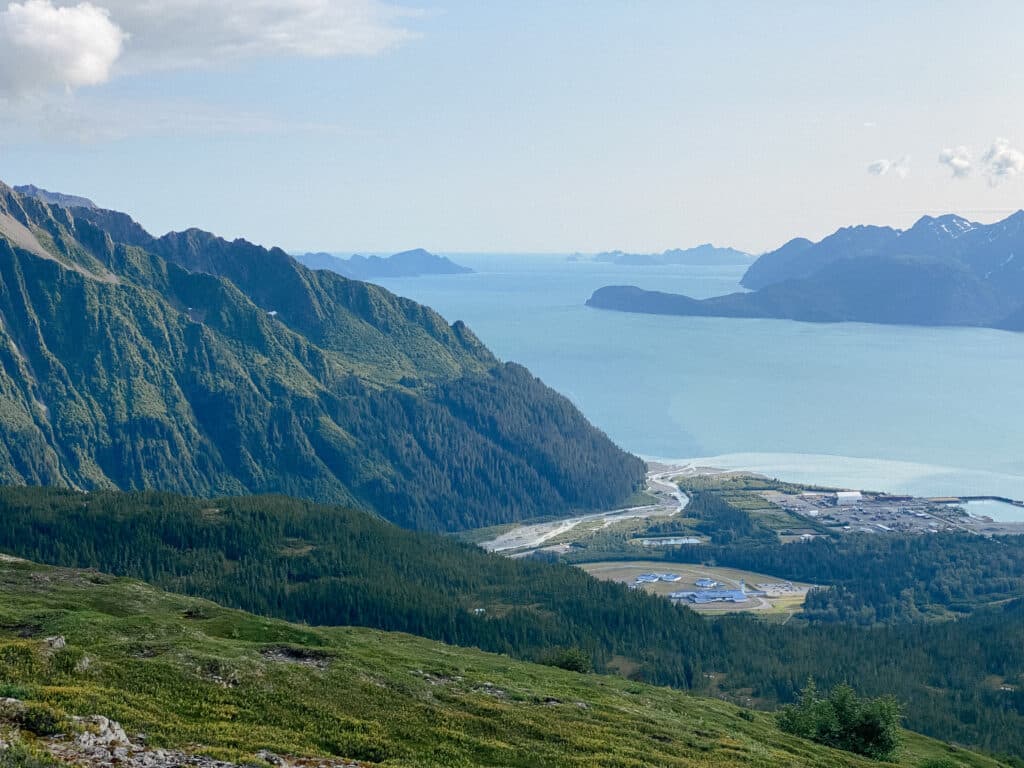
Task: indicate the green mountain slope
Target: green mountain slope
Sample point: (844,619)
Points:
(328,566)
(194,676)
(336,566)
(193,364)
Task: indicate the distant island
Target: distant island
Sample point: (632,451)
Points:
(701,255)
(942,271)
(413,263)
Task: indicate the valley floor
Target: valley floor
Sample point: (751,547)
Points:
(772,595)
(522,540)
(876,513)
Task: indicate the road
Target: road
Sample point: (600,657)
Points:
(526,538)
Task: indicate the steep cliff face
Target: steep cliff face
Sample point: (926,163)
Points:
(194,364)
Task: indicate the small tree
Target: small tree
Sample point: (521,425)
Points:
(869,727)
(572,659)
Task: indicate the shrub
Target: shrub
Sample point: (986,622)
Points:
(66,661)
(40,719)
(572,659)
(17,755)
(869,727)
(15,691)
(18,661)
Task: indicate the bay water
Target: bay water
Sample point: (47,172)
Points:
(929,411)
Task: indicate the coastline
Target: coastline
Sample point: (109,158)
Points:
(879,475)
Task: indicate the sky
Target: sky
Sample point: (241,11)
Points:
(641,125)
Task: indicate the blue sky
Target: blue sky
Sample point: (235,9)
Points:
(516,126)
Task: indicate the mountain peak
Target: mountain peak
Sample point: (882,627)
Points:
(949,224)
(55,198)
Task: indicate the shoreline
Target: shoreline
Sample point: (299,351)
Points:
(1012,523)
(1002,493)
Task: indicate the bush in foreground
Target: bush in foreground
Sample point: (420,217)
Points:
(869,727)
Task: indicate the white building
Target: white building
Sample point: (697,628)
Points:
(843,498)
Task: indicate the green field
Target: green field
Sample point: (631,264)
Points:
(193,675)
(626,571)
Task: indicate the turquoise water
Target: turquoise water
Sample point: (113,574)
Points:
(997,510)
(932,411)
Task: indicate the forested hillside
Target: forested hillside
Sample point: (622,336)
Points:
(961,680)
(193,364)
(201,680)
(331,565)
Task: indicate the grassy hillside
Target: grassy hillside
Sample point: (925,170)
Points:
(193,364)
(335,566)
(961,680)
(193,675)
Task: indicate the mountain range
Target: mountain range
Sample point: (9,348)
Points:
(701,255)
(942,271)
(414,263)
(234,374)
(194,364)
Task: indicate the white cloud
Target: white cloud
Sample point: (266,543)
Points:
(879,167)
(958,159)
(1002,161)
(198,33)
(44,46)
(58,43)
(883,167)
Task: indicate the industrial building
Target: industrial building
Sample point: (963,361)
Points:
(652,578)
(705,596)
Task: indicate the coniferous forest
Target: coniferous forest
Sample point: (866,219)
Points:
(192,364)
(331,565)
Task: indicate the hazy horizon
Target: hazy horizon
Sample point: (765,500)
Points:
(364,126)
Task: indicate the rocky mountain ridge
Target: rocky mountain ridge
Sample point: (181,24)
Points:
(194,364)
